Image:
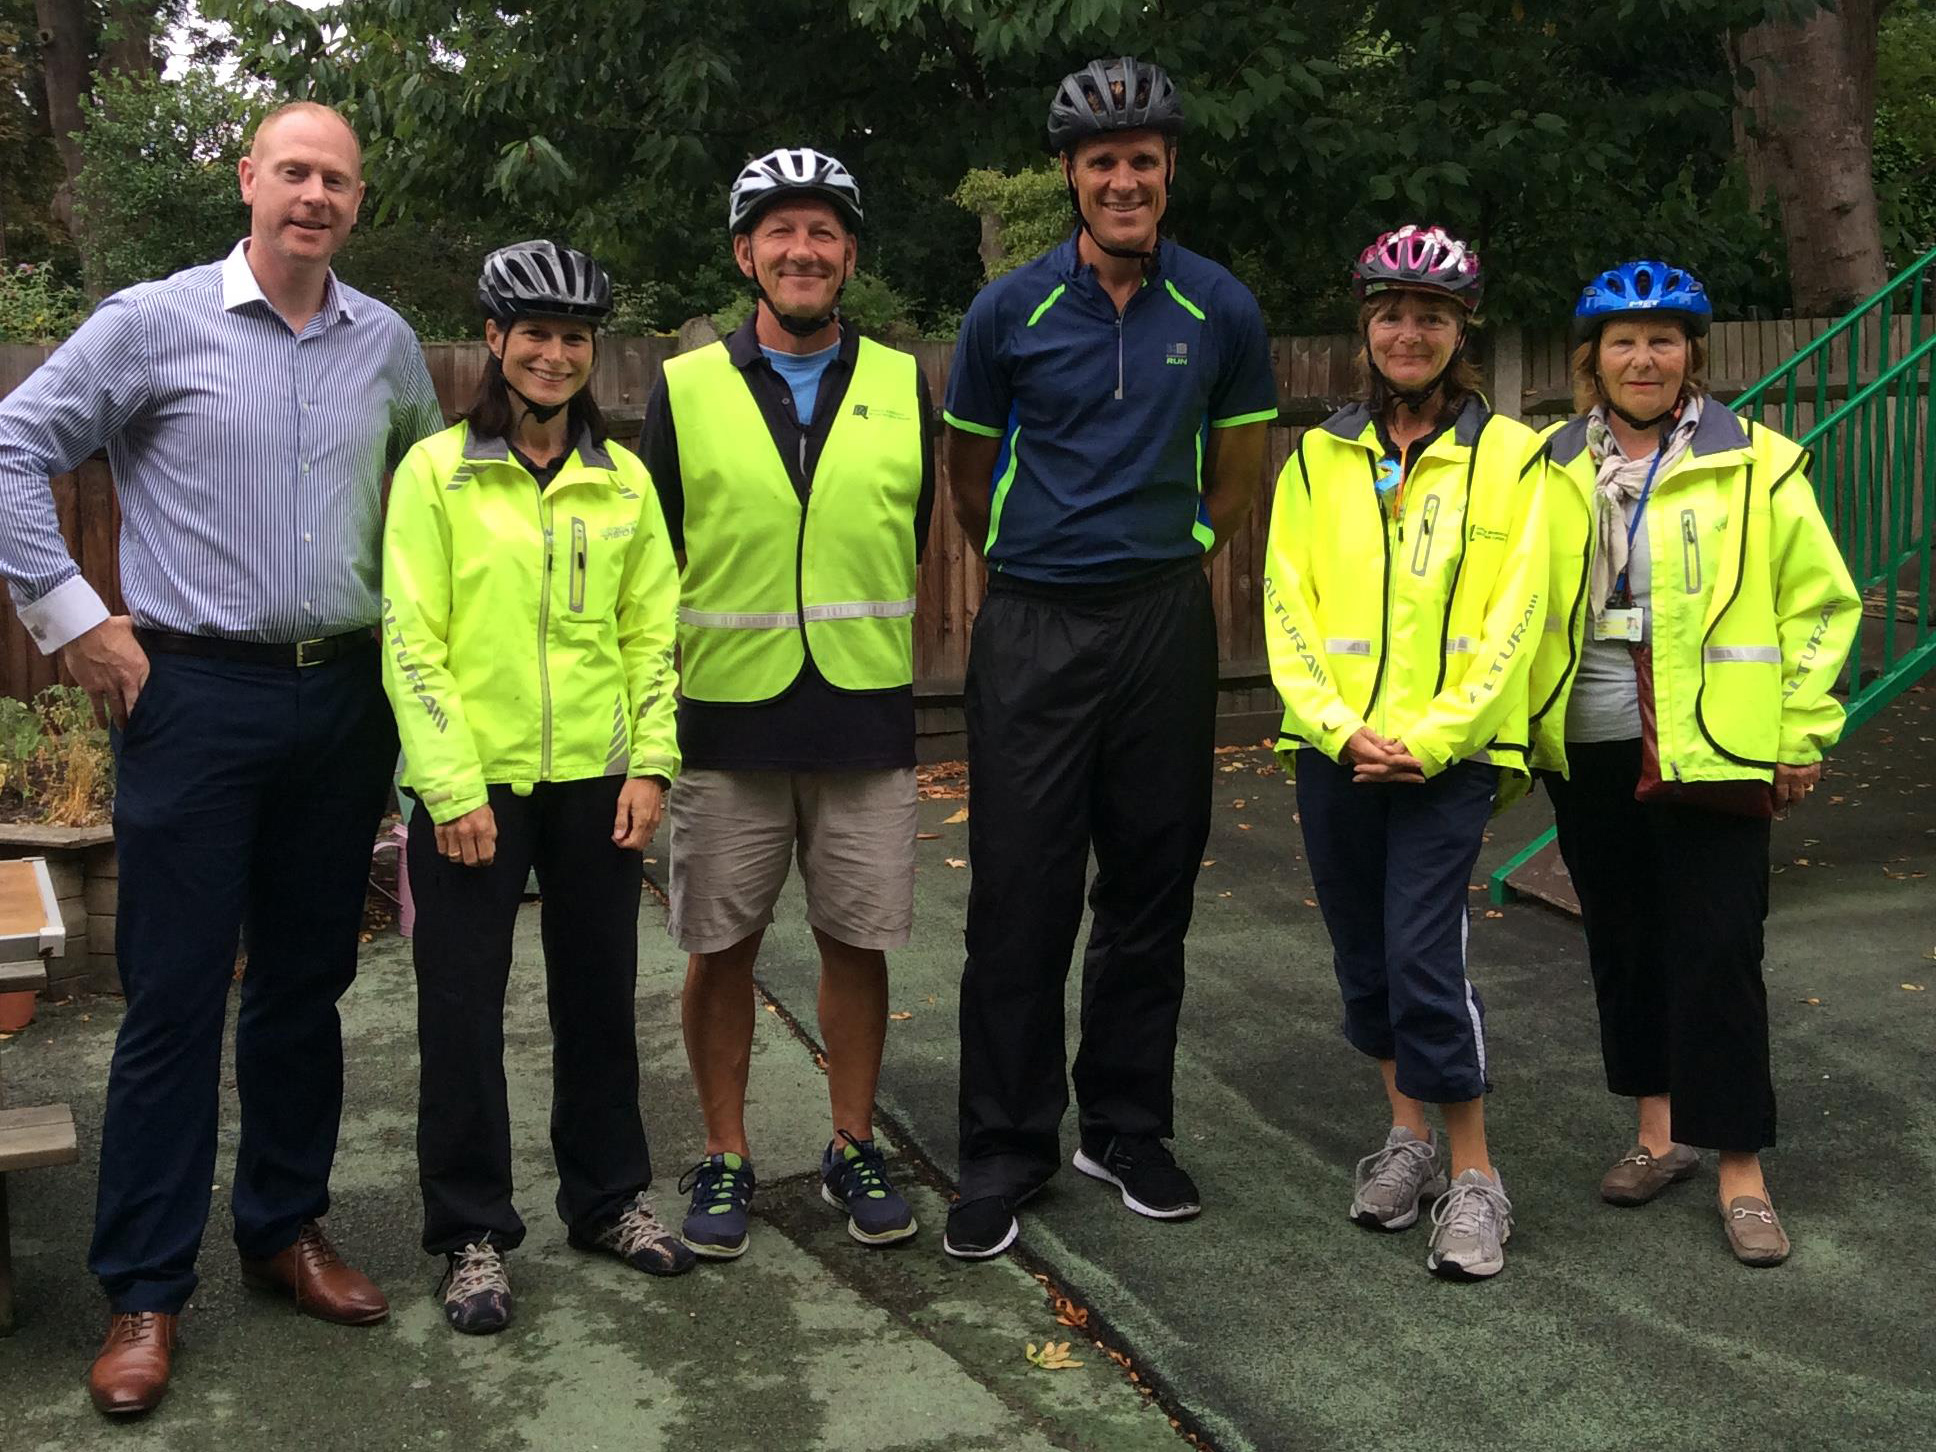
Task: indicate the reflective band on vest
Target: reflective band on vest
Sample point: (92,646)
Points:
(767,581)
(1761,654)
(1347,647)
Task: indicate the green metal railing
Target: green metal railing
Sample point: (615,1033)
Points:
(1861,398)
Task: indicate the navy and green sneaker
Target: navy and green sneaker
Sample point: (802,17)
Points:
(722,1188)
(853,1177)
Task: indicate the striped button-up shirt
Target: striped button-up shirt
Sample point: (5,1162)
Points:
(249,459)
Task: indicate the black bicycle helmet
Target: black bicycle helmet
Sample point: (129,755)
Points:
(1124,94)
(540,279)
(792,171)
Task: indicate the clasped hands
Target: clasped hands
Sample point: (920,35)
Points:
(1375,758)
(471,839)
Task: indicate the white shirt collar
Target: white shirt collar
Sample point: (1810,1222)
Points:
(239,285)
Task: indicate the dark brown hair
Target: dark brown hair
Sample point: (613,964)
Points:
(1587,393)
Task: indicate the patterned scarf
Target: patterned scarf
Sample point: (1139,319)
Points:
(1617,483)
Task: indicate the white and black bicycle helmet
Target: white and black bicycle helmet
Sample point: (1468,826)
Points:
(540,279)
(792,171)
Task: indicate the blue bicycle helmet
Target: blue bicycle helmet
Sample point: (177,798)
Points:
(1642,287)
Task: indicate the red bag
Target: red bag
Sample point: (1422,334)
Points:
(1736,798)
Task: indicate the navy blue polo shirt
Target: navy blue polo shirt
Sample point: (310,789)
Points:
(1104,417)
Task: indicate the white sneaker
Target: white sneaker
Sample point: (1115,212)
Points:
(1391,1183)
(1471,1224)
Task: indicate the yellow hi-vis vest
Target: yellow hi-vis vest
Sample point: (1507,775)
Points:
(770,581)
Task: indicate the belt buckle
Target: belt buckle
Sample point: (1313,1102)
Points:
(304,659)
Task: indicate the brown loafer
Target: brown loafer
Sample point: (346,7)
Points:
(319,1280)
(1641,1175)
(130,1373)
(1754,1234)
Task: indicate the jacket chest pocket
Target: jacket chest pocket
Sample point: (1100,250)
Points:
(1432,536)
(593,557)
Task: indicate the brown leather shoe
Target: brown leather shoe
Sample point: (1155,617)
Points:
(1754,1233)
(323,1285)
(130,1373)
(1639,1176)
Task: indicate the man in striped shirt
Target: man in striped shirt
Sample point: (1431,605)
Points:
(250,410)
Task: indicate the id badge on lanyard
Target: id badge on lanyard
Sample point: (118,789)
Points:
(1623,620)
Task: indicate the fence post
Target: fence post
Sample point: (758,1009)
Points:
(1509,372)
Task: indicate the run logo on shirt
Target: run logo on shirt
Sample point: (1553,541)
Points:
(1179,354)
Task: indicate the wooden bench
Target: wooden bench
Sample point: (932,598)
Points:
(30,925)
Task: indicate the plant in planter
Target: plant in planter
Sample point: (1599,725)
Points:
(55,765)
(56,800)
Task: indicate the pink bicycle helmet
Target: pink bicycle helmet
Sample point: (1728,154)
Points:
(1428,259)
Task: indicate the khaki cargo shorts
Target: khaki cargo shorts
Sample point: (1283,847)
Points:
(734,833)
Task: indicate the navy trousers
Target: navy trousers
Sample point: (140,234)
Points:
(246,802)
(1392,864)
(1091,717)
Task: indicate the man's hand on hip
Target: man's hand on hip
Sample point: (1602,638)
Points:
(110,666)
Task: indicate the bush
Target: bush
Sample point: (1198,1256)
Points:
(36,306)
(1031,206)
(157,190)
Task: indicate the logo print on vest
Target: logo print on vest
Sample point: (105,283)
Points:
(872,411)
(1179,354)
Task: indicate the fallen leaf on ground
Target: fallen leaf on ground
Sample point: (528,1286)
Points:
(1494,913)
(1310,902)
(927,836)
(1243,826)
(1209,862)
(1811,1002)
(958,818)
(1913,987)
(1053,1356)
(1238,803)
(900,1015)
(955,861)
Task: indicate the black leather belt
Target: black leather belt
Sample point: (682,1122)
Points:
(300,653)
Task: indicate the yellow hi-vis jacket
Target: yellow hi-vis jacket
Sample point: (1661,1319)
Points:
(527,632)
(770,579)
(1421,627)
(1753,611)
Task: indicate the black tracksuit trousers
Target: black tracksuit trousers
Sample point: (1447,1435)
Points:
(1673,898)
(1091,714)
(590,925)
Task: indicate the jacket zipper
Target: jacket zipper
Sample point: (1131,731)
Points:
(544,631)
(1119,351)
(1384,624)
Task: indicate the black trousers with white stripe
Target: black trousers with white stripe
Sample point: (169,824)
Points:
(1392,864)
(1673,898)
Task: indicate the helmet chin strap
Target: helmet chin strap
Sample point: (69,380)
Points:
(1128,254)
(542,412)
(1415,398)
(1634,421)
(798,327)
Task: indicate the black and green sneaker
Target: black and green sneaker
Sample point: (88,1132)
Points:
(722,1188)
(853,1177)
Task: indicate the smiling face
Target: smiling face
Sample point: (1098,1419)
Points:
(799,252)
(1642,363)
(1121,180)
(302,182)
(548,360)
(1411,336)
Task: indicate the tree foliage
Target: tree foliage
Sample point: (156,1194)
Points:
(1556,136)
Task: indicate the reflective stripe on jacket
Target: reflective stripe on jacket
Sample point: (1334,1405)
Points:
(1422,627)
(1753,611)
(770,578)
(527,632)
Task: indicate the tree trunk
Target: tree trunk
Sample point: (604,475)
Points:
(130,45)
(1807,132)
(64,45)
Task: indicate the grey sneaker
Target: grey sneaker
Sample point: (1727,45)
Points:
(1471,1224)
(637,1238)
(1641,1175)
(1391,1183)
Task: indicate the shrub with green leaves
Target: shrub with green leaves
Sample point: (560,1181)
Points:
(36,306)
